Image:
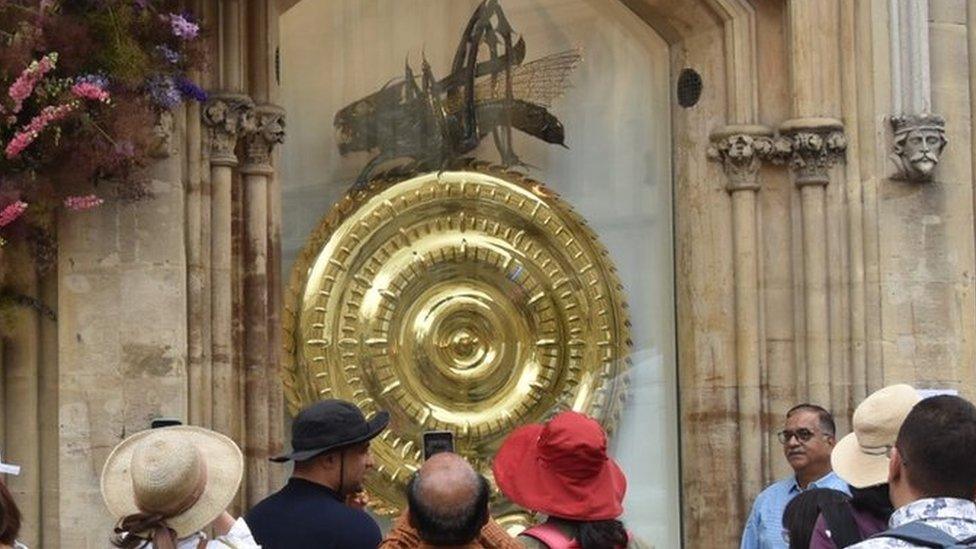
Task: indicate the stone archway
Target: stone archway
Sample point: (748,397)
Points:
(717,40)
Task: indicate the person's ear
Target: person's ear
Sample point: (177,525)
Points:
(894,466)
(328,461)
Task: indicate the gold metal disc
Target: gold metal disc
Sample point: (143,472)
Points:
(473,301)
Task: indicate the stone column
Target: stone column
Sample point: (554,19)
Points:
(739,148)
(22,352)
(224,115)
(816,144)
(266,132)
(817,141)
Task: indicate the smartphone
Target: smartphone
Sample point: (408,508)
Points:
(437,441)
(164,422)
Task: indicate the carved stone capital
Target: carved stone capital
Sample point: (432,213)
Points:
(264,130)
(917,145)
(226,116)
(741,149)
(816,144)
(162,144)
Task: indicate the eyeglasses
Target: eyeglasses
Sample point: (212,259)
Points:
(802,435)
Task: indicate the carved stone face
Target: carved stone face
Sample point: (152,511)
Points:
(740,146)
(922,148)
(273,128)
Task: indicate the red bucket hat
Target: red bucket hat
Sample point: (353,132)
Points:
(561,468)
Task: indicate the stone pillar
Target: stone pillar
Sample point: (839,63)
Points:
(817,144)
(817,141)
(740,148)
(224,115)
(48,421)
(22,443)
(261,138)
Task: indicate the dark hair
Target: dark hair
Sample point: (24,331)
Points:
(937,442)
(601,534)
(873,500)
(453,526)
(827,424)
(801,513)
(9,517)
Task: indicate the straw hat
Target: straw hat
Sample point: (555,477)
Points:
(188,474)
(861,458)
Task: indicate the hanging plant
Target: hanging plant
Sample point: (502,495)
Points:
(82,83)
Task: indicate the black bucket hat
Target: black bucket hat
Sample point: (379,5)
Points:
(330,424)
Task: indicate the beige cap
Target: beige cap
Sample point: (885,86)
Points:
(861,457)
(189,474)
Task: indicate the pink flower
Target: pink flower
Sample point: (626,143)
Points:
(11,212)
(80,203)
(29,133)
(28,79)
(88,90)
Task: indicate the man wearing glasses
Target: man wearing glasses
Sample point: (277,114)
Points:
(807,439)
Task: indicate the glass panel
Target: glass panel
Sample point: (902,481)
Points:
(615,173)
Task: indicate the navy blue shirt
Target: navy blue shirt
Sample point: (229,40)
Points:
(304,514)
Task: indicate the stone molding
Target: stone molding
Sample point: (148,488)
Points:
(263,130)
(226,117)
(741,149)
(917,144)
(815,145)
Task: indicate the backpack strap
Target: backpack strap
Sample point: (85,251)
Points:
(839,519)
(922,534)
(550,535)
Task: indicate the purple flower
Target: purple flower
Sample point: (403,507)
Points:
(99,80)
(191,90)
(168,54)
(162,90)
(182,27)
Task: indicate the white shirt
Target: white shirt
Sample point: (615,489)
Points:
(239,537)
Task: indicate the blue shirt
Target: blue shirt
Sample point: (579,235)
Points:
(305,515)
(764,528)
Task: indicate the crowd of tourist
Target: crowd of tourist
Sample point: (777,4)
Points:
(905,477)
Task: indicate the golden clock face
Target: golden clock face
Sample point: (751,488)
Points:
(472,301)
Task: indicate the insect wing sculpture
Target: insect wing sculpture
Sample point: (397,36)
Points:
(433,123)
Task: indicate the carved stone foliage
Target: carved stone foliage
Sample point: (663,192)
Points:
(919,140)
(809,146)
(815,145)
(226,117)
(264,130)
(741,150)
(163,145)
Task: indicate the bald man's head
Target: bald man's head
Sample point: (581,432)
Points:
(448,500)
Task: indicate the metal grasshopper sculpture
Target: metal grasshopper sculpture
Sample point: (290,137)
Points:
(434,122)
